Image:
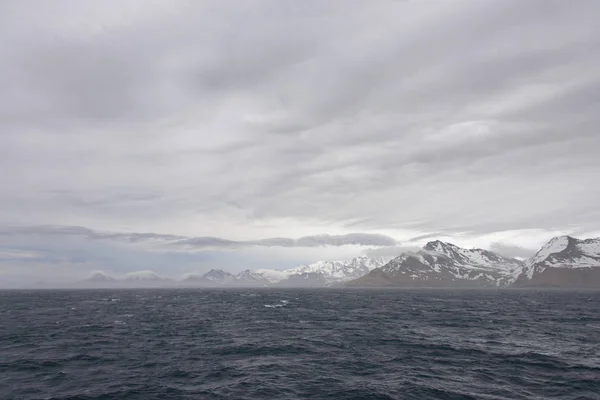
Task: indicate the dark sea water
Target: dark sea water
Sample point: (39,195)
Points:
(299,344)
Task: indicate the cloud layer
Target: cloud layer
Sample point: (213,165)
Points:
(352,239)
(261,119)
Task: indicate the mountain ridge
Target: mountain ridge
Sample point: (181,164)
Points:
(441,264)
(564,261)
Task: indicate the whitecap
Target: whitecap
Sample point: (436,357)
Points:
(274,305)
(282,303)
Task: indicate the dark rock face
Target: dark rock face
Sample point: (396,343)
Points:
(563,278)
(375,278)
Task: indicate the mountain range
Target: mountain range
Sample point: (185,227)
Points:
(319,274)
(563,262)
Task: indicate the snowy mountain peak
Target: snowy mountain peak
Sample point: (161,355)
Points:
(555,245)
(566,251)
(439,246)
(448,249)
(564,261)
(251,278)
(248,275)
(217,275)
(445,264)
(326,272)
(339,271)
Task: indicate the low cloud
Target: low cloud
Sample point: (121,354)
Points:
(511,250)
(88,233)
(352,239)
(391,251)
(357,239)
(427,236)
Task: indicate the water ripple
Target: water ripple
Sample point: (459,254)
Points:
(296,344)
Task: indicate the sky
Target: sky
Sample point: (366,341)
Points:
(181,136)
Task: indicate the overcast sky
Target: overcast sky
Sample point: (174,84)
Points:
(185,135)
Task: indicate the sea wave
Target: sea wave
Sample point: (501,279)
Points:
(299,344)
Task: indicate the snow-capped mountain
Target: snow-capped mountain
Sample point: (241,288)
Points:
(341,270)
(137,279)
(444,264)
(144,276)
(324,273)
(98,279)
(214,277)
(251,278)
(144,279)
(563,262)
(99,276)
(217,277)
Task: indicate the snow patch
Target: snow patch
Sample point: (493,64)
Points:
(556,245)
(332,271)
(590,247)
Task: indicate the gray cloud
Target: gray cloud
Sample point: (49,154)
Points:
(356,239)
(511,251)
(210,120)
(391,251)
(427,236)
(49,230)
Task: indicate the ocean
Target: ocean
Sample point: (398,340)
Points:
(299,344)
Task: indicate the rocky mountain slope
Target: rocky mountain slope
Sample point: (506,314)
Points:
(564,262)
(440,264)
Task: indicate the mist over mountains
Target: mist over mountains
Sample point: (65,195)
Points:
(563,262)
(319,274)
